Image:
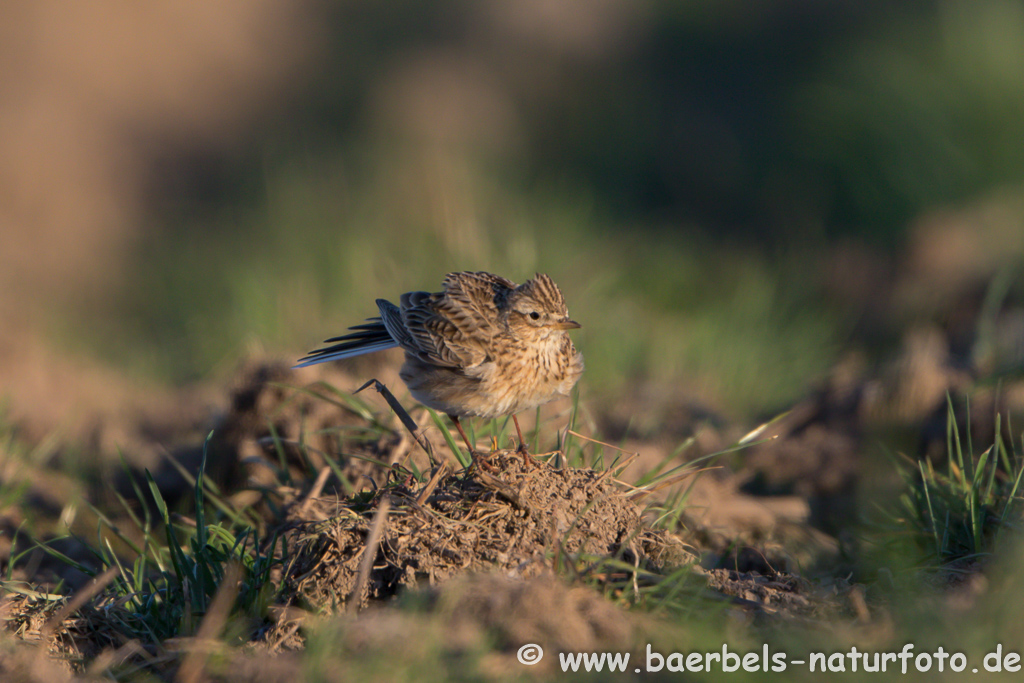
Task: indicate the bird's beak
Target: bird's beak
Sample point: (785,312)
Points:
(566,324)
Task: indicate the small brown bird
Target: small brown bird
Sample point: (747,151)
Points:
(483,347)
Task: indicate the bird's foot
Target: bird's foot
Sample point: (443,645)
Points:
(524,450)
(482,462)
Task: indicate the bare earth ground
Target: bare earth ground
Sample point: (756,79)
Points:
(474,565)
(503,556)
(501,531)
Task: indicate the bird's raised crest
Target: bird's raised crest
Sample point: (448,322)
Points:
(544,291)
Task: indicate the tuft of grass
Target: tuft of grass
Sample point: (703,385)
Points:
(962,510)
(169,586)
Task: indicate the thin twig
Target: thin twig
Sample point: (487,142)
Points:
(314,492)
(658,484)
(403,415)
(425,492)
(403,450)
(87,593)
(370,551)
(603,443)
(194,666)
(616,468)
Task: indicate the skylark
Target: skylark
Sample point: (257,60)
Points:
(483,347)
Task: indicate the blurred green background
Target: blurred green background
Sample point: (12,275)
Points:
(745,204)
(729,193)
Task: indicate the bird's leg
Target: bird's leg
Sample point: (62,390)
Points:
(458,425)
(523,447)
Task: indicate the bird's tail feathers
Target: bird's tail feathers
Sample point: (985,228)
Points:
(366,338)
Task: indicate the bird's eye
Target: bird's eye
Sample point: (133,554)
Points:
(534,315)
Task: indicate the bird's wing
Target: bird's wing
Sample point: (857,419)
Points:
(474,301)
(433,337)
(391,317)
(455,327)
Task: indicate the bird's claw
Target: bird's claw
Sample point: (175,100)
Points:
(481,462)
(524,450)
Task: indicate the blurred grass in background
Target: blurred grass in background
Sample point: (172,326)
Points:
(682,170)
(307,261)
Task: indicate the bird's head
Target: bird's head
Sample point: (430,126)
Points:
(536,309)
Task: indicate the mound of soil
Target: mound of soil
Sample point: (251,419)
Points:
(521,522)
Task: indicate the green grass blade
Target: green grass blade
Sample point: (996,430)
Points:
(979,468)
(114,528)
(212,492)
(933,523)
(463,459)
(970,443)
(951,425)
(201,533)
(174,548)
(345,401)
(1011,497)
